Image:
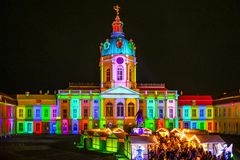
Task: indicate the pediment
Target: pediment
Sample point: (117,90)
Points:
(120,90)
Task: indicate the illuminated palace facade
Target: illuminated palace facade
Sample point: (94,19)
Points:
(115,101)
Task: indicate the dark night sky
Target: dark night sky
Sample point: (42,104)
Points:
(189,45)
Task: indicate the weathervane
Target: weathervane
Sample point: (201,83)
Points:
(116,8)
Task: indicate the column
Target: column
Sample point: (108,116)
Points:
(102,120)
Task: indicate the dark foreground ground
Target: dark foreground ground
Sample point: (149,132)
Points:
(61,147)
(46,147)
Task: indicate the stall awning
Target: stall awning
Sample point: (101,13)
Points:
(210,139)
(143,140)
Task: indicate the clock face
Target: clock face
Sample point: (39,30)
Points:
(120,60)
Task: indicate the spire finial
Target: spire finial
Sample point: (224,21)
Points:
(116,8)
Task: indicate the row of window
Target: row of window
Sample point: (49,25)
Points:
(37,113)
(120,73)
(186,113)
(120,110)
(76,101)
(223,112)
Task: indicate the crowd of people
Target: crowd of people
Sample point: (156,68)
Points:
(172,148)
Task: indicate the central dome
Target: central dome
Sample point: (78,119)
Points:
(118,44)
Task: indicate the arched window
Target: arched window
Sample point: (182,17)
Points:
(120,109)
(130,109)
(109,110)
(119,73)
(108,75)
(130,74)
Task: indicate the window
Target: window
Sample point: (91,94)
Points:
(64,101)
(95,101)
(64,113)
(85,113)
(74,113)
(186,125)
(170,101)
(171,125)
(160,101)
(130,74)
(29,127)
(54,113)
(170,113)
(95,114)
(150,113)
(130,109)
(20,126)
(209,126)
(21,113)
(194,125)
(216,112)
(120,73)
(150,101)
(202,113)
(85,101)
(160,113)
(194,112)
(109,110)
(186,112)
(75,127)
(45,113)
(108,74)
(179,113)
(64,126)
(236,111)
(224,112)
(29,113)
(120,110)
(38,113)
(37,126)
(209,113)
(215,126)
(202,125)
(229,112)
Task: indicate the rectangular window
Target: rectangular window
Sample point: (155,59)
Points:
(29,113)
(209,113)
(170,113)
(186,125)
(215,126)
(74,113)
(209,126)
(95,101)
(202,125)
(179,113)
(85,101)
(229,112)
(160,113)
(150,113)
(64,113)
(29,127)
(64,101)
(54,113)
(85,113)
(150,101)
(201,113)
(170,101)
(45,113)
(20,126)
(186,112)
(160,101)
(38,113)
(37,127)
(194,113)
(21,113)
(95,113)
(194,125)
(216,112)
(224,112)
(236,111)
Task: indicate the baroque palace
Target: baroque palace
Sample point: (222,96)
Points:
(115,101)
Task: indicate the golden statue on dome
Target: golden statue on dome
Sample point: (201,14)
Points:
(116,8)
